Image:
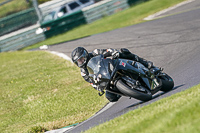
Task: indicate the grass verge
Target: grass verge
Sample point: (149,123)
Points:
(178,113)
(125,18)
(40,91)
(13,7)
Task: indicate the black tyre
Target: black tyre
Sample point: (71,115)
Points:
(128,91)
(167,83)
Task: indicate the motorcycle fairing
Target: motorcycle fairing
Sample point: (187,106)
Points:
(98,65)
(127,67)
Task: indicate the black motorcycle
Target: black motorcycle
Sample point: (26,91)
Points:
(128,78)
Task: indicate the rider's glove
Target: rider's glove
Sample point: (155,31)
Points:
(150,64)
(96,78)
(115,55)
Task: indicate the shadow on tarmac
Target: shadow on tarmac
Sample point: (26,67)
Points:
(155,96)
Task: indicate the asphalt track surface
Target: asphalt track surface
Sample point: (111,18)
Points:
(171,42)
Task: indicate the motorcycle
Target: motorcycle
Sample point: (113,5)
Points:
(128,78)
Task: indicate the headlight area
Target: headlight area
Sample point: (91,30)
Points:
(41,30)
(46,29)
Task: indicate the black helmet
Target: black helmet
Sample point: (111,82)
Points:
(79,56)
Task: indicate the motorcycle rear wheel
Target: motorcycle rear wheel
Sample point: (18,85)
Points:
(128,91)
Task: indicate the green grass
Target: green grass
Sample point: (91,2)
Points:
(16,6)
(178,113)
(13,7)
(40,91)
(125,18)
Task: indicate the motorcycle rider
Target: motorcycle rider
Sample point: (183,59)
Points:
(80,57)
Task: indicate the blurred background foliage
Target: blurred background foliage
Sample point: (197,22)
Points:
(8,7)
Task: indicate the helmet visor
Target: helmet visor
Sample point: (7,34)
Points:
(82,59)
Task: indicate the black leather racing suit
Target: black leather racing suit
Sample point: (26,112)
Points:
(124,54)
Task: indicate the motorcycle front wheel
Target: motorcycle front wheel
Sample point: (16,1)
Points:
(130,92)
(167,83)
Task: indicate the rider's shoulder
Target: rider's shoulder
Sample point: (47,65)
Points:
(95,52)
(98,52)
(90,55)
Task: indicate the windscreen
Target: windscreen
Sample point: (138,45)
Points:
(93,65)
(99,65)
(49,17)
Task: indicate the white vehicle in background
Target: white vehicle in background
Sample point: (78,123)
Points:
(67,9)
